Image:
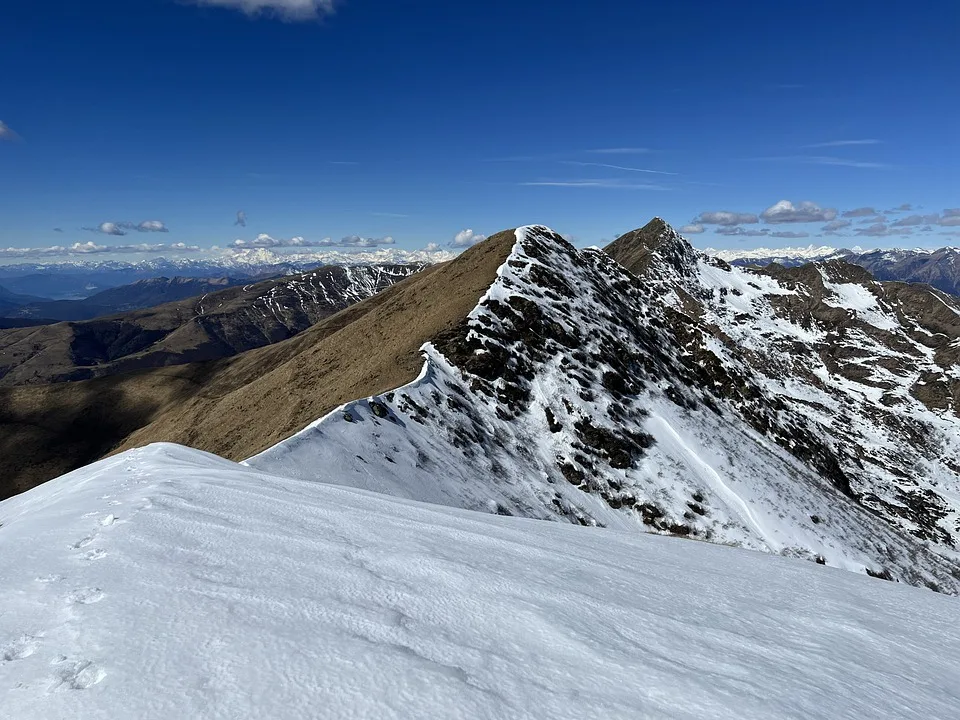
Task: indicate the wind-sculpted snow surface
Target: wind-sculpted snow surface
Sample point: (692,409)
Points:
(580,392)
(169,583)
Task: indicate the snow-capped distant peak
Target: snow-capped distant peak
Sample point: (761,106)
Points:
(810,252)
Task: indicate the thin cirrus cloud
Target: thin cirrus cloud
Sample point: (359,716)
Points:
(621,151)
(823,160)
(91,248)
(843,143)
(598,183)
(581,163)
(292,10)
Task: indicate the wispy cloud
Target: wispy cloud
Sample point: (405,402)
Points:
(7,133)
(466,238)
(580,163)
(692,229)
(389,214)
(293,10)
(91,248)
(843,143)
(241,219)
(822,160)
(607,183)
(621,151)
(786,212)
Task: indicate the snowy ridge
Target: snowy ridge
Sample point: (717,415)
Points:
(574,392)
(169,583)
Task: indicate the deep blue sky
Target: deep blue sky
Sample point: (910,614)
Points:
(420,119)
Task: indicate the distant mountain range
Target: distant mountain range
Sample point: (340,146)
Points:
(77,279)
(939,268)
(123,298)
(225,320)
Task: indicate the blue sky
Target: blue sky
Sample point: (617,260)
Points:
(357,120)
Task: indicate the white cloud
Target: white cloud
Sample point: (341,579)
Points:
(266,241)
(109,228)
(692,229)
(361,242)
(263,240)
(152,226)
(725,217)
(466,238)
(432,247)
(859,212)
(91,248)
(951,212)
(950,220)
(786,212)
(286,9)
(843,143)
(7,133)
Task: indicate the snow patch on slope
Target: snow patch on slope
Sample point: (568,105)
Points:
(219,591)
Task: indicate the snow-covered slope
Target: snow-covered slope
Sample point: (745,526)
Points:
(580,392)
(168,583)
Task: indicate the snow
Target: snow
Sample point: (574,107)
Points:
(810,252)
(220,591)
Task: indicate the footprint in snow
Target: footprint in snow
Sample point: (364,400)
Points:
(83,543)
(78,675)
(94,554)
(48,579)
(108,520)
(89,596)
(22,647)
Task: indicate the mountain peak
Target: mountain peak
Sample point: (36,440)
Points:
(656,244)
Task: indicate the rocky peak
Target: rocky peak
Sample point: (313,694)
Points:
(656,246)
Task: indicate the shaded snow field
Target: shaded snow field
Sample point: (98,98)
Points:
(170,583)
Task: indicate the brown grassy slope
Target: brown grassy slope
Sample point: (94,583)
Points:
(242,405)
